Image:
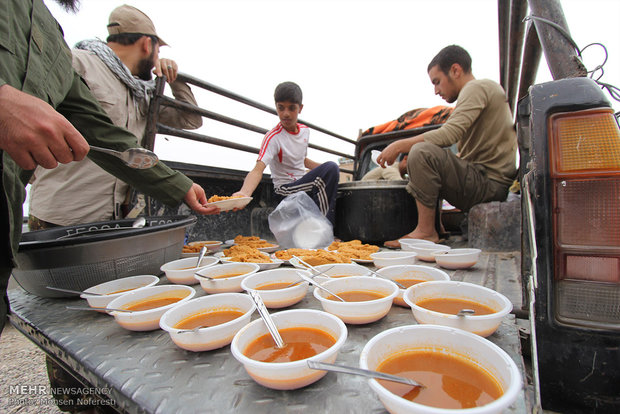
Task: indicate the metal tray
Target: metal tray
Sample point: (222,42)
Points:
(82,261)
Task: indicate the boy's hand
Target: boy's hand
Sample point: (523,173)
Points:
(197,200)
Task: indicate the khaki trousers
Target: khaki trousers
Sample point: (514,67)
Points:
(437,173)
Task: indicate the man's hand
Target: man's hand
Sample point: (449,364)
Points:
(33,133)
(389,154)
(166,67)
(197,200)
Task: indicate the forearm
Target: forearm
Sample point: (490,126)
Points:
(250,183)
(177,118)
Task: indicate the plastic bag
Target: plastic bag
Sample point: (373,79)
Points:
(298,222)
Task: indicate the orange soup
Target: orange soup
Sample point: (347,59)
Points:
(151,303)
(451,382)
(208,319)
(358,296)
(300,343)
(409,282)
(452,306)
(273,285)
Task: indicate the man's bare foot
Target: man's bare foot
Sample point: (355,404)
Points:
(394,244)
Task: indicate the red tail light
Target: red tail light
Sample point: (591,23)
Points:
(585,176)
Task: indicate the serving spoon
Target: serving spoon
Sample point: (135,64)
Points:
(363,372)
(138,158)
(266,317)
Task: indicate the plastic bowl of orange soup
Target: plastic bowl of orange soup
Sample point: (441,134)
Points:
(462,372)
(274,286)
(367,299)
(308,334)
(225,277)
(108,291)
(148,305)
(182,271)
(218,318)
(409,275)
(438,303)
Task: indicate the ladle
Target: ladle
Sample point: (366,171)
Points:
(465,312)
(79,292)
(137,158)
(307,279)
(203,251)
(264,314)
(363,372)
(97,309)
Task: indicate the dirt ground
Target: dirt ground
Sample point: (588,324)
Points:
(24,387)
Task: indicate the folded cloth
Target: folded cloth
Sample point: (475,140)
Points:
(413,119)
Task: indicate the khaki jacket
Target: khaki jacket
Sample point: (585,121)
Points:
(82,192)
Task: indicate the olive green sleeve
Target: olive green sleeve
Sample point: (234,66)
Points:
(83,111)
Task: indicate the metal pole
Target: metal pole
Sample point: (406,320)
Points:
(531,59)
(518,11)
(560,51)
(503,23)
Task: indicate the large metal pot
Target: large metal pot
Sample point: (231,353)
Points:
(78,257)
(374,211)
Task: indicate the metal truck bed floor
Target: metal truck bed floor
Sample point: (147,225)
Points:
(144,372)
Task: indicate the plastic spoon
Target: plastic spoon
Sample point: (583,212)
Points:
(400,285)
(307,279)
(264,314)
(137,158)
(465,312)
(203,251)
(79,292)
(97,309)
(363,372)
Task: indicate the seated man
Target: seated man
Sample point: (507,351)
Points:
(119,75)
(481,126)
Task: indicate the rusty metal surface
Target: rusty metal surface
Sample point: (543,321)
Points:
(147,373)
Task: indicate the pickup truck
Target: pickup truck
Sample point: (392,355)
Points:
(563,278)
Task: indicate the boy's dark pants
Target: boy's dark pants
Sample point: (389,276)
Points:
(321,184)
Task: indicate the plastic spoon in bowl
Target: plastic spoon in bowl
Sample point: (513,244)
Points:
(363,372)
(203,251)
(400,285)
(79,292)
(137,158)
(307,279)
(194,330)
(266,317)
(312,277)
(206,277)
(97,309)
(465,312)
(309,266)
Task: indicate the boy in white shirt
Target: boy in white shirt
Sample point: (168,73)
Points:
(285,149)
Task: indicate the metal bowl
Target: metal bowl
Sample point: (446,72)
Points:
(78,257)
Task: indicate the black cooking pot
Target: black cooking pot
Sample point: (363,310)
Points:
(374,211)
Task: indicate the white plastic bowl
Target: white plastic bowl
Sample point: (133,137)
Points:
(405,243)
(213,337)
(182,271)
(426,252)
(384,259)
(480,351)
(122,286)
(147,320)
(337,270)
(279,298)
(415,272)
(483,325)
(358,312)
(225,284)
(457,258)
(296,374)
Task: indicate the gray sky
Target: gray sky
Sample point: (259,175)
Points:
(359,62)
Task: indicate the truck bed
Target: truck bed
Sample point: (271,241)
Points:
(144,372)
